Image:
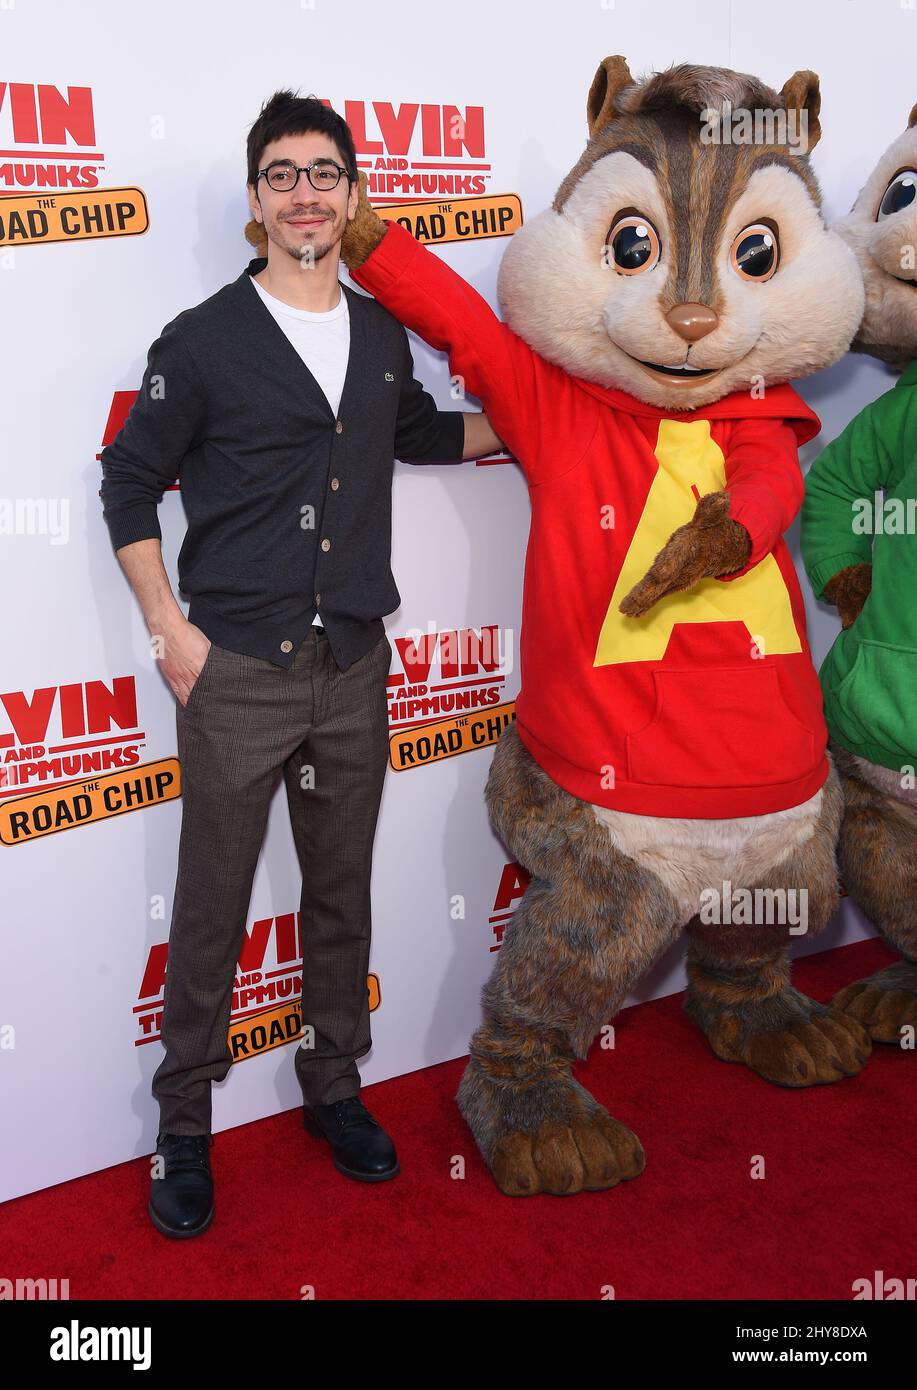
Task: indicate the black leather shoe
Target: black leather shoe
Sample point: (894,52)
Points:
(181,1201)
(360,1145)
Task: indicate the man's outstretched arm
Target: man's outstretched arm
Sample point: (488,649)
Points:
(480,438)
(425,434)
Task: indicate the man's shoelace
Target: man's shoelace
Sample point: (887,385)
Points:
(352,1112)
(186,1153)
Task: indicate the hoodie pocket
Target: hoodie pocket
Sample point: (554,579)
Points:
(876,702)
(730,727)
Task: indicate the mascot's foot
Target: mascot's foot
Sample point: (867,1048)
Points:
(885,1003)
(811,1045)
(585,1155)
(550,1136)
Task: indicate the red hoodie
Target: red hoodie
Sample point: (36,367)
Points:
(709,704)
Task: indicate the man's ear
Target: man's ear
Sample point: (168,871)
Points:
(353,200)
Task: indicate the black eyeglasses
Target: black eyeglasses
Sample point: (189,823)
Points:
(323,174)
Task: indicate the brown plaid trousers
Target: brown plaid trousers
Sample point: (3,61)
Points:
(246,723)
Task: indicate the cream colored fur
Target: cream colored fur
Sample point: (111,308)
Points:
(555,292)
(889,327)
(692,855)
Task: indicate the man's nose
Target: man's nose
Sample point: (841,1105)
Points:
(692,321)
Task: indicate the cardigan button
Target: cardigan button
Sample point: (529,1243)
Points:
(326,544)
(335,484)
(338,427)
(286,646)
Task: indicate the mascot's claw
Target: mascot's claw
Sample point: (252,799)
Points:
(587,1154)
(884,1004)
(709,545)
(812,1052)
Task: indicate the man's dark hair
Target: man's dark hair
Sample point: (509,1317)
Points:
(287,113)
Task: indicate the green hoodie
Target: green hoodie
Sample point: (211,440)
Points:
(869,677)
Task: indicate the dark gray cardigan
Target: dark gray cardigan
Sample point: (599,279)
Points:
(288,506)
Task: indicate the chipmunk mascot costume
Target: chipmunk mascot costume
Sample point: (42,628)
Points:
(669,740)
(860,551)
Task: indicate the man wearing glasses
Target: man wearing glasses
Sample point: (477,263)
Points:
(282,401)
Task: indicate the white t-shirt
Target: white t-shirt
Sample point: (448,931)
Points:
(322,341)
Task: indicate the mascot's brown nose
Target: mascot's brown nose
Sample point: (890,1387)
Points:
(691,321)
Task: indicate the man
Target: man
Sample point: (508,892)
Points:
(282,401)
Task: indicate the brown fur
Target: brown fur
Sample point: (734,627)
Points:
(877,853)
(363,234)
(658,123)
(256,236)
(813,867)
(739,990)
(711,544)
(849,590)
(589,927)
(884,1004)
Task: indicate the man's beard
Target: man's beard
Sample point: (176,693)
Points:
(309,247)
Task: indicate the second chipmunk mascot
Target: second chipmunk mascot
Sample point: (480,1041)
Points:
(667,768)
(860,550)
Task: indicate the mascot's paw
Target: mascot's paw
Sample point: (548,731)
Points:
(849,590)
(709,545)
(885,1003)
(545,1134)
(587,1154)
(827,1046)
(364,232)
(256,236)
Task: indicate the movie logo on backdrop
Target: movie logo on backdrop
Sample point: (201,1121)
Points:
(48,143)
(447,697)
(265,1011)
(426,167)
(70,756)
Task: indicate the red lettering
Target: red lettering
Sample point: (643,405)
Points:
(513,882)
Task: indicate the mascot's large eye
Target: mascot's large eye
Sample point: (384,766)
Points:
(632,245)
(755,252)
(901,193)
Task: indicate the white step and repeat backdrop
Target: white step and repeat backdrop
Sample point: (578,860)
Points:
(131,121)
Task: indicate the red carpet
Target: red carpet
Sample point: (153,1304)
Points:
(836,1204)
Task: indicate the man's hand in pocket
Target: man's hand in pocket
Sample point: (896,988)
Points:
(184,651)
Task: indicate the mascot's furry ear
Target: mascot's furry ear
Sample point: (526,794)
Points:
(612,76)
(801,94)
(256,236)
(912,118)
